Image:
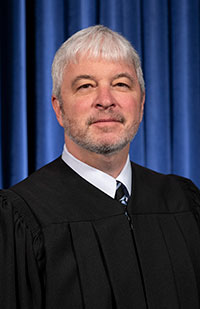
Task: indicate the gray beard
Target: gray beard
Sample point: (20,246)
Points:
(81,139)
(103,149)
(85,142)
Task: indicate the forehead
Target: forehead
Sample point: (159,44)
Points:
(97,66)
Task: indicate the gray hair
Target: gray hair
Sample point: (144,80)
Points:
(96,41)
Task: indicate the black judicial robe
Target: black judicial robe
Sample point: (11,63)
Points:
(66,244)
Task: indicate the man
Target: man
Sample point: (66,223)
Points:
(92,229)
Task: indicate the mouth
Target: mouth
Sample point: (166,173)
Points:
(104,120)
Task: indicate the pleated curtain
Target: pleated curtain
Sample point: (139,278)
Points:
(166,33)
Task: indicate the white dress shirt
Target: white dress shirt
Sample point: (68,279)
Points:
(99,179)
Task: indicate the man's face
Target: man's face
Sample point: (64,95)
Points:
(102,105)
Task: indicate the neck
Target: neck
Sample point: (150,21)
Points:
(111,164)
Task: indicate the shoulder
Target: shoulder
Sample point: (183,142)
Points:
(49,171)
(23,207)
(51,194)
(165,181)
(43,180)
(176,193)
(36,192)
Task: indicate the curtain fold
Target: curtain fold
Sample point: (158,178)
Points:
(13,95)
(167,36)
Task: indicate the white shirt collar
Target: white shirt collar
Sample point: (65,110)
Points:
(99,179)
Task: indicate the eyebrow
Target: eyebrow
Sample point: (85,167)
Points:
(79,77)
(127,75)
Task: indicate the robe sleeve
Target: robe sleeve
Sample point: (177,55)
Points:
(193,196)
(21,255)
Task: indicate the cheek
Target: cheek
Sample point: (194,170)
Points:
(77,110)
(131,105)
(133,110)
(82,107)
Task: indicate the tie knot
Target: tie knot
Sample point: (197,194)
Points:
(121,194)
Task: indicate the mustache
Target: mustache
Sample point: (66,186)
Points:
(106,116)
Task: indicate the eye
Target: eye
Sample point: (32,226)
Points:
(85,86)
(121,84)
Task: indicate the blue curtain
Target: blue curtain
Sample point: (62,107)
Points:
(166,34)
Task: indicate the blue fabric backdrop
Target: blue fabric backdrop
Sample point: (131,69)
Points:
(166,34)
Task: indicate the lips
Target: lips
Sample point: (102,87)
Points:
(105,120)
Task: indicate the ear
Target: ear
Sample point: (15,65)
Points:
(142,107)
(57,109)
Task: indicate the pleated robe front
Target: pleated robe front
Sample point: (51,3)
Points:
(66,244)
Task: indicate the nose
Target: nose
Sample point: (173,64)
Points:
(104,99)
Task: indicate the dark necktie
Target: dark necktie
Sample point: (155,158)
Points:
(121,194)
